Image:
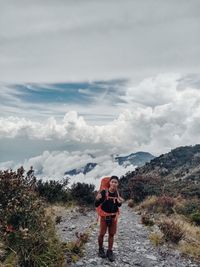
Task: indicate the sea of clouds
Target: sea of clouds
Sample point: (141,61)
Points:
(53,165)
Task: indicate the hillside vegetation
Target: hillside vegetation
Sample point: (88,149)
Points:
(173,173)
(27,230)
(166,192)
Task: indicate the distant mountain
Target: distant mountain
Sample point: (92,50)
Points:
(136,159)
(85,169)
(180,163)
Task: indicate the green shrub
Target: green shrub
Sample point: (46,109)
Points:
(53,191)
(195,217)
(192,190)
(24,227)
(188,207)
(142,186)
(83,193)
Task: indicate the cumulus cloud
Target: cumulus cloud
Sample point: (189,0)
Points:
(158,115)
(73,127)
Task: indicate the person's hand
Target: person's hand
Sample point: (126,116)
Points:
(98,196)
(120,199)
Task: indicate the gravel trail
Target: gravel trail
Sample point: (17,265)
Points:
(132,246)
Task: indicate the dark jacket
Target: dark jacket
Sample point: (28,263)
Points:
(108,205)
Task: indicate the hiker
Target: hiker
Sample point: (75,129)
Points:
(107,203)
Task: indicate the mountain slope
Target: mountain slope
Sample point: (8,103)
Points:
(85,169)
(137,159)
(175,172)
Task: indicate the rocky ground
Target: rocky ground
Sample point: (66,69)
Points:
(132,246)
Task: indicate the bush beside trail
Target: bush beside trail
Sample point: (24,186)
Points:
(59,192)
(178,221)
(27,234)
(27,231)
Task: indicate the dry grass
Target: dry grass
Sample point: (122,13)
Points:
(191,249)
(173,231)
(192,232)
(74,249)
(58,209)
(158,204)
(148,203)
(187,233)
(190,244)
(156,238)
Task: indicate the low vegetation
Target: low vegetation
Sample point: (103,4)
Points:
(26,232)
(83,193)
(166,192)
(59,192)
(173,231)
(177,221)
(27,227)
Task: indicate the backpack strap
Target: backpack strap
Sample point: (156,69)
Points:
(114,198)
(106,193)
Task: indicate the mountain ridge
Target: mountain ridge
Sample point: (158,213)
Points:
(175,172)
(136,159)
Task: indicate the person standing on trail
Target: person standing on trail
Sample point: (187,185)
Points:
(110,202)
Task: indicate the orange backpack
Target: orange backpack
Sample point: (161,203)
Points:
(105,183)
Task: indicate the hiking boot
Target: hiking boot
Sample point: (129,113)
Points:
(102,253)
(110,255)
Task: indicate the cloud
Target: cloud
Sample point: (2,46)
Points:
(73,127)
(53,165)
(96,40)
(157,117)
(154,91)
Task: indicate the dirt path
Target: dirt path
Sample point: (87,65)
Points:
(132,246)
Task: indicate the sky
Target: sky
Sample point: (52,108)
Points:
(103,76)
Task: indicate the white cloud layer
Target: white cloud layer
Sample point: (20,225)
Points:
(159,114)
(53,165)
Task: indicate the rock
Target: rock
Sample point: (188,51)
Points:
(72,227)
(151,257)
(92,261)
(80,263)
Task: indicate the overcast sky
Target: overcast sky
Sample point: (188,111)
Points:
(120,76)
(59,41)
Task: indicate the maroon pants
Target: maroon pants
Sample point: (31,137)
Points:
(111,232)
